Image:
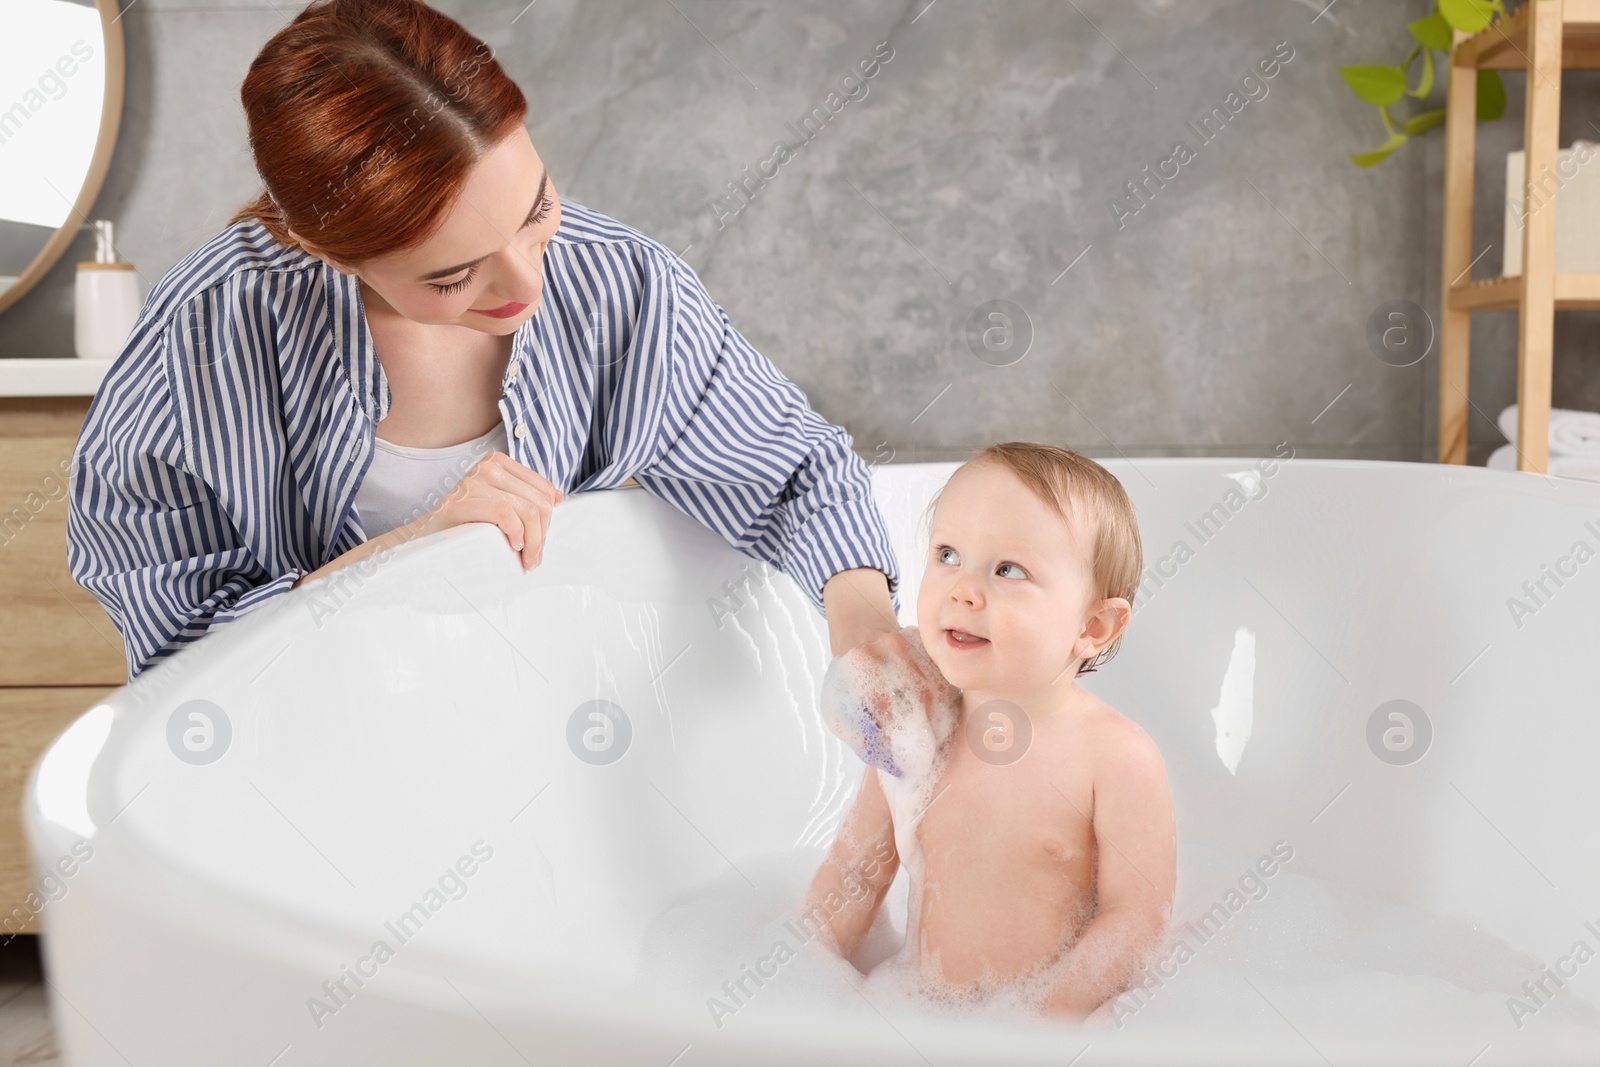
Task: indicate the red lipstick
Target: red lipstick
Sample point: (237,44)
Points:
(505,312)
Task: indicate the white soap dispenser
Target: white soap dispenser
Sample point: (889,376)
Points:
(108,299)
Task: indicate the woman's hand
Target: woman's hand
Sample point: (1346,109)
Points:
(500,490)
(858,608)
(924,684)
(869,688)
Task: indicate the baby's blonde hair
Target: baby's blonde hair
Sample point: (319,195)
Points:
(1059,476)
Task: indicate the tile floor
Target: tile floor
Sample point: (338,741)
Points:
(26,1039)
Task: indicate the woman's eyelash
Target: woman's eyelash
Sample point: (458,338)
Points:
(456,287)
(472,272)
(538,216)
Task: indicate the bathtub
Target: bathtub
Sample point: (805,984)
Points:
(445,811)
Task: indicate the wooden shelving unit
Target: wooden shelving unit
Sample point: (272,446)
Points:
(1541,38)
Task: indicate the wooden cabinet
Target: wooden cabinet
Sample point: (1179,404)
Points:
(59,651)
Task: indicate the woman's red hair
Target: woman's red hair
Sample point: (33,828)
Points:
(365,117)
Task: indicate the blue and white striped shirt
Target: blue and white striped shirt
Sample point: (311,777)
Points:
(220,457)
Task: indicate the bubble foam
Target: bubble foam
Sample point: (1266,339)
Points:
(882,711)
(900,719)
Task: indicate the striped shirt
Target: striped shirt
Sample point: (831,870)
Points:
(221,456)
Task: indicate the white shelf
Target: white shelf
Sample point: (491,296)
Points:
(51,377)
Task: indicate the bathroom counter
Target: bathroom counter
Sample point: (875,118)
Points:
(51,377)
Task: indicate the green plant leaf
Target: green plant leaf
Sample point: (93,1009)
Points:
(1378,155)
(1376,84)
(1491,95)
(1469,16)
(1425,86)
(1431,32)
(1388,123)
(1423,121)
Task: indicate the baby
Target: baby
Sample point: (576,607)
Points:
(1035,822)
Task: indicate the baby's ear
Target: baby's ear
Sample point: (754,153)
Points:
(1106,622)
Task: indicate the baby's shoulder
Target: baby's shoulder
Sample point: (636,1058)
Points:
(1113,739)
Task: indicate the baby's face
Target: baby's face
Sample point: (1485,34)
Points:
(1003,566)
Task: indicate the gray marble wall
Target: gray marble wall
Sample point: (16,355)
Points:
(981,164)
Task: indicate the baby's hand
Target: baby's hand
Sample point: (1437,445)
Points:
(875,688)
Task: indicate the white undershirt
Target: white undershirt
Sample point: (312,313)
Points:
(404,483)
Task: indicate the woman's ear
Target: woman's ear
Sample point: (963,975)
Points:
(1106,622)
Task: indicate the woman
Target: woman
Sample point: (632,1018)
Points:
(407,288)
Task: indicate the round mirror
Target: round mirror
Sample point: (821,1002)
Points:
(60,103)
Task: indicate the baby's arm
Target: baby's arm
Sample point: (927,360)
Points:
(1135,876)
(856,873)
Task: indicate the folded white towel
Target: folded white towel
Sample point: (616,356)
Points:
(1585,468)
(1572,433)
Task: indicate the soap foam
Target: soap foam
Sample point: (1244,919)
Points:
(882,712)
(900,724)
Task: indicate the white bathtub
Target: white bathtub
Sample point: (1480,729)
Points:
(375,744)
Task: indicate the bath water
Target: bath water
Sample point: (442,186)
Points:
(1337,961)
